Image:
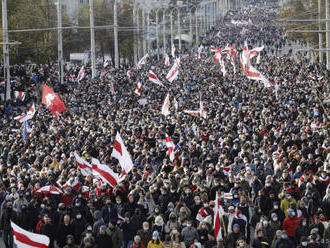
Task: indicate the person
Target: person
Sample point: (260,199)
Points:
(49,230)
(137,243)
(301,231)
(70,242)
(7,216)
(155,242)
(260,241)
(102,239)
(290,223)
(145,233)
(284,241)
(109,212)
(234,236)
(64,230)
(189,233)
(116,234)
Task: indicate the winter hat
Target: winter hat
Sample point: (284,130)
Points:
(97,215)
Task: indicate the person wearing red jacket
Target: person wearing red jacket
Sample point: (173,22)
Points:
(290,223)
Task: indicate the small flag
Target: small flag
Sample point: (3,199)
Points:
(52,101)
(81,74)
(166,106)
(26,131)
(20,95)
(138,89)
(153,78)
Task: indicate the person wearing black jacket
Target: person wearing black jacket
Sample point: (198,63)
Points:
(63,231)
(8,216)
(301,231)
(103,240)
(49,230)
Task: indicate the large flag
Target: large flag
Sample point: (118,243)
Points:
(138,89)
(254,74)
(29,115)
(170,147)
(153,78)
(20,95)
(128,73)
(217,223)
(166,106)
(25,239)
(81,74)
(52,101)
(142,61)
(167,60)
(120,152)
(26,130)
(173,73)
(84,166)
(105,173)
(74,184)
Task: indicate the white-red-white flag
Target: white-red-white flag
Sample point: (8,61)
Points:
(153,78)
(166,106)
(138,89)
(104,172)
(176,104)
(81,74)
(74,184)
(200,49)
(20,95)
(173,51)
(173,73)
(112,88)
(170,147)
(29,115)
(142,61)
(202,111)
(52,101)
(128,73)
(84,166)
(167,60)
(26,239)
(254,74)
(217,223)
(106,63)
(120,152)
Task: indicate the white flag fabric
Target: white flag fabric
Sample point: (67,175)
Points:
(105,173)
(175,103)
(142,61)
(166,106)
(81,74)
(153,78)
(170,147)
(173,51)
(20,95)
(202,111)
(167,60)
(128,73)
(173,73)
(84,166)
(25,239)
(138,89)
(217,223)
(200,51)
(29,115)
(120,152)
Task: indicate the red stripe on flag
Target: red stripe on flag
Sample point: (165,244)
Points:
(117,147)
(105,175)
(26,240)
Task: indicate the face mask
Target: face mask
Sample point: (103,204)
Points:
(275,219)
(198,202)
(284,236)
(293,214)
(304,223)
(145,228)
(289,197)
(42,205)
(118,202)
(265,222)
(205,205)
(241,244)
(188,225)
(304,243)
(275,207)
(78,216)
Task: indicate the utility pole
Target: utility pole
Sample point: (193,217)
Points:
(171,28)
(148,31)
(190,25)
(92,30)
(164,29)
(320,34)
(157,39)
(5,49)
(134,34)
(179,28)
(196,24)
(115,33)
(138,33)
(327,27)
(143,31)
(59,40)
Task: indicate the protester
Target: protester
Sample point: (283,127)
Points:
(264,151)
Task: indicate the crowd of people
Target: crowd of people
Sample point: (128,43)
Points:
(265,155)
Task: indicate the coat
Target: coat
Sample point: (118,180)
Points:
(63,231)
(116,236)
(146,236)
(50,231)
(103,241)
(283,243)
(109,214)
(189,234)
(290,225)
